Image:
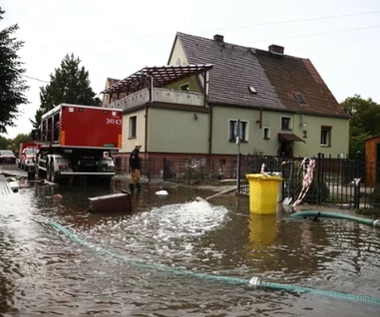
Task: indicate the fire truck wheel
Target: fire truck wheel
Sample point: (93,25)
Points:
(48,174)
(52,173)
(40,173)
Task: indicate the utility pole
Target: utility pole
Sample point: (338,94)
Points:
(237,134)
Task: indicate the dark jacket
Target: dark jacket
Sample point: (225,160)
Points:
(134,160)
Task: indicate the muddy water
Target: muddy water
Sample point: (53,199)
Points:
(46,273)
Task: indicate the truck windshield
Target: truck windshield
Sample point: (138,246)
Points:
(30,151)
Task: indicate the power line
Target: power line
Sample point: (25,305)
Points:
(320,33)
(258,41)
(33,78)
(225,28)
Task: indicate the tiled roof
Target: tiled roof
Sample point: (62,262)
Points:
(274,77)
(113,79)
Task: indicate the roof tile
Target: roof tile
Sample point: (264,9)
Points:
(276,78)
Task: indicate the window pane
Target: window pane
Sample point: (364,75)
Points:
(232,130)
(132,126)
(242,130)
(325,137)
(285,123)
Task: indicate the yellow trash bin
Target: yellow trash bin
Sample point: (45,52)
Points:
(263,192)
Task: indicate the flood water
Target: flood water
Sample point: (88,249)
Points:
(46,273)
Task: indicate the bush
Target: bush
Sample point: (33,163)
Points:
(370,212)
(313,193)
(374,197)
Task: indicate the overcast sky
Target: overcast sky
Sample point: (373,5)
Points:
(116,38)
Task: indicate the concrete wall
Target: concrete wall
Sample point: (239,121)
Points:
(128,144)
(191,81)
(272,120)
(312,125)
(178,54)
(177,131)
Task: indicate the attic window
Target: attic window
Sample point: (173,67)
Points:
(252,90)
(300,98)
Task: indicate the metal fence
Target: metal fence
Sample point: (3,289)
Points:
(186,169)
(342,182)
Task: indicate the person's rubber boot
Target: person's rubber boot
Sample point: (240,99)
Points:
(138,186)
(131,188)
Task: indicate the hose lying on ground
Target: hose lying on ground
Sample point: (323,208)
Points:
(313,213)
(253,282)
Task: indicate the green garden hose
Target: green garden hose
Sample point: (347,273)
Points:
(314,213)
(253,282)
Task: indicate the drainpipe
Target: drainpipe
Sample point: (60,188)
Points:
(146,131)
(206,93)
(260,121)
(210,134)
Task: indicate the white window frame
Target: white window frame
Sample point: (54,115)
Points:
(290,123)
(234,135)
(130,127)
(268,134)
(327,141)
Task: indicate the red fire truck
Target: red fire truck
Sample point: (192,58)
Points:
(77,141)
(27,155)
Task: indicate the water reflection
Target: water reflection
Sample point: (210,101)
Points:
(262,230)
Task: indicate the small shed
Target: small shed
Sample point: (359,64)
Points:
(372,158)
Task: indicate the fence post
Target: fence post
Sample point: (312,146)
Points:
(283,159)
(318,180)
(238,172)
(357,183)
(148,168)
(164,169)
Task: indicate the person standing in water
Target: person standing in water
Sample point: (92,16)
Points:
(134,168)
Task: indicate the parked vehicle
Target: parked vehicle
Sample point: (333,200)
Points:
(21,149)
(28,158)
(7,157)
(73,141)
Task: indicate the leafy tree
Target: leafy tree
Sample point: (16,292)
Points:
(12,86)
(37,119)
(70,83)
(364,123)
(20,138)
(3,142)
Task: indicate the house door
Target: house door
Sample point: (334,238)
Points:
(377,163)
(287,148)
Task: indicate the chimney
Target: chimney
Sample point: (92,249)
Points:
(219,38)
(276,49)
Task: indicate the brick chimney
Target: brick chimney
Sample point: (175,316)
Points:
(219,38)
(276,49)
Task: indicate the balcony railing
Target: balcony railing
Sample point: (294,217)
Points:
(162,95)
